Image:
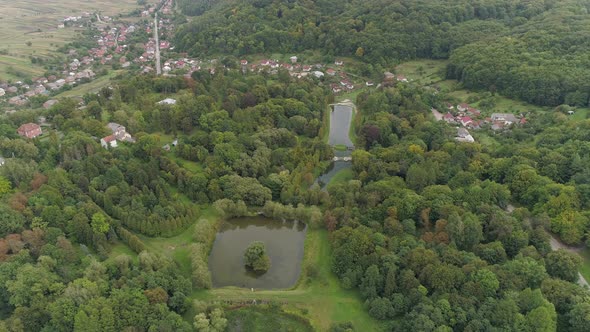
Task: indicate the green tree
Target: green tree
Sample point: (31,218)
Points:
(564,265)
(256,258)
(100,224)
(4,186)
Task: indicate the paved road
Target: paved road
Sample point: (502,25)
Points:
(157,38)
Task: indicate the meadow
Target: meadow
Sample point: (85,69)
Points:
(30,28)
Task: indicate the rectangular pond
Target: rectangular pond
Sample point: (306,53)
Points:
(284,241)
(340,118)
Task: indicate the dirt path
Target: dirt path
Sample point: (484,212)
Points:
(437,115)
(556,245)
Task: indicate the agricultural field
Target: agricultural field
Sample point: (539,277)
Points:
(30,28)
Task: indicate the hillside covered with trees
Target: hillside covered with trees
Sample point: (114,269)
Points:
(425,234)
(532,50)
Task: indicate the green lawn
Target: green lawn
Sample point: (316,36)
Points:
(343,176)
(192,166)
(264,320)
(121,249)
(424,71)
(90,87)
(585,268)
(580,114)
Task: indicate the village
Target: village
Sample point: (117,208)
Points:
(111,50)
(465,117)
(134,46)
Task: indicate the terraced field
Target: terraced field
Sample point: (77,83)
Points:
(29,28)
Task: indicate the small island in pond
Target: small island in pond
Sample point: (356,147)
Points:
(256,258)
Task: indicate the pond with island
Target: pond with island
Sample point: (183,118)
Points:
(284,241)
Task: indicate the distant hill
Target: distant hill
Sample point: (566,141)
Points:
(377,30)
(534,32)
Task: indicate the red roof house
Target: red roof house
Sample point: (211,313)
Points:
(29,130)
(466,120)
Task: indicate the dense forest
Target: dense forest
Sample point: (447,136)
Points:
(532,50)
(257,142)
(430,233)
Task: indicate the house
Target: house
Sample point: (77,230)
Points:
(463,107)
(464,136)
(465,120)
(505,118)
(330,72)
(49,103)
(29,130)
(369,83)
(449,118)
(388,76)
(120,133)
(294,59)
(497,126)
(336,88)
(473,111)
(2,161)
(318,74)
(402,78)
(167,101)
(306,68)
(243,62)
(108,142)
(2,92)
(338,63)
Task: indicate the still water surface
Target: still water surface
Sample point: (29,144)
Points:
(284,242)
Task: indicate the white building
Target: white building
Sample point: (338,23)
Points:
(464,136)
(167,101)
(108,142)
(318,74)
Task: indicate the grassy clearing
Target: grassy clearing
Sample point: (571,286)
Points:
(90,87)
(349,95)
(324,132)
(343,176)
(585,268)
(580,114)
(431,73)
(192,166)
(424,72)
(36,21)
(264,320)
(121,249)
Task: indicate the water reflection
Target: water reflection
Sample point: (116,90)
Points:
(284,242)
(340,118)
